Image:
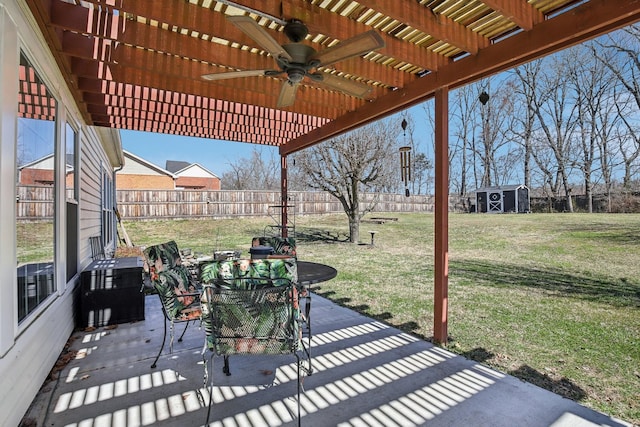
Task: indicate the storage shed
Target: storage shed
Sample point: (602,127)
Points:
(503,199)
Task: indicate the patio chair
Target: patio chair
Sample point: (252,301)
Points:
(285,247)
(178,291)
(262,272)
(250,316)
(281,246)
(97,248)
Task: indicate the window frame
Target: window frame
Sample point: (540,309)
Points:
(72,205)
(32,313)
(107,204)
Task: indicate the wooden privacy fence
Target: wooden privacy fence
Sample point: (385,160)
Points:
(140,204)
(36,203)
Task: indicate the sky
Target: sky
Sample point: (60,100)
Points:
(212,154)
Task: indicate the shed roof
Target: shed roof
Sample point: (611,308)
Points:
(508,187)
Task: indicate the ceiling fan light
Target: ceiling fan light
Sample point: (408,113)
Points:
(295,75)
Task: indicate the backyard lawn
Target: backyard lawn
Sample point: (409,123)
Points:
(553,299)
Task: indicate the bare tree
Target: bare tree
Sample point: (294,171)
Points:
(620,53)
(422,173)
(258,172)
(591,85)
(525,89)
(556,116)
(364,160)
(627,69)
(495,110)
(628,142)
(464,145)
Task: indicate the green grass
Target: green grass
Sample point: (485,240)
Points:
(553,299)
(34,242)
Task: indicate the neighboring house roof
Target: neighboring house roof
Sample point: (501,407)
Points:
(194,170)
(174,166)
(139,166)
(45,162)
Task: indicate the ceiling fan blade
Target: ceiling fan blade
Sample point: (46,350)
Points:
(277,20)
(355,46)
(287,94)
(348,86)
(259,35)
(234,74)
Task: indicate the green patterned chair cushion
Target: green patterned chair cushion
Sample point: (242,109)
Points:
(280,245)
(251,306)
(248,273)
(179,296)
(253,321)
(173,282)
(162,257)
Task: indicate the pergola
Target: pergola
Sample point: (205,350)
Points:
(139,65)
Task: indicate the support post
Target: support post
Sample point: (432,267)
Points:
(441,232)
(284,218)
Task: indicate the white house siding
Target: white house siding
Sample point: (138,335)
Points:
(134,166)
(28,351)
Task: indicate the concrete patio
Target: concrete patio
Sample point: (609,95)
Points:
(365,374)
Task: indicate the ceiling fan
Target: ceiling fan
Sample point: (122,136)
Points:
(298,60)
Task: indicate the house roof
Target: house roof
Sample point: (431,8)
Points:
(195,170)
(146,164)
(139,65)
(176,165)
(48,159)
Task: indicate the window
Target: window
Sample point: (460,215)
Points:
(36,189)
(71,163)
(71,190)
(108,205)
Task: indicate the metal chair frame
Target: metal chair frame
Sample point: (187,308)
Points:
(97,248)
(175,265)
(260,295)
(167,318)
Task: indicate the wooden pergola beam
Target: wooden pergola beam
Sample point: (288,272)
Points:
(586,21)
(441,232)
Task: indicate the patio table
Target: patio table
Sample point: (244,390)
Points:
(310,273)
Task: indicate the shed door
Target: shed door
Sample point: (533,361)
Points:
(495,201)
(509,200)
(481,202)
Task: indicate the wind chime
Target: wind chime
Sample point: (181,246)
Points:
(405,160)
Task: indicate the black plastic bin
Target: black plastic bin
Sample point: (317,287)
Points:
(110,293)
(260,251)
